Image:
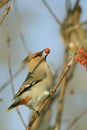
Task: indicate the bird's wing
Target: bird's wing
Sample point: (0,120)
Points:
(29,82)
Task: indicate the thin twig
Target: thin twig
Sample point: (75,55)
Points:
(71,74)
(77,118)
(51,12)
(25,47)
(3,2)
(10,73)
(9,64)
(76,4)
(6,11)
(19,26)
(61,95)
(13,76)
(65,71)
(0,100)
(68,5)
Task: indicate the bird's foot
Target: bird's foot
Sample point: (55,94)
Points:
(35,114)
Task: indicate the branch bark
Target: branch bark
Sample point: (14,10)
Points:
(6,11)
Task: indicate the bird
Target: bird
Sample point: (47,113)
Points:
(38,83)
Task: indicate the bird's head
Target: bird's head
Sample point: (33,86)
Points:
(32,56)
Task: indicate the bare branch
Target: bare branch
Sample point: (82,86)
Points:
(77,119)
(3,2)
(13,76)
(23,42)
(19,26)
(12,85)
(76,4)
(51,12)
(61,95)
(0,100)
(6,11)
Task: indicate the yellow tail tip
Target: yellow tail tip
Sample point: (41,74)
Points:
(7,110)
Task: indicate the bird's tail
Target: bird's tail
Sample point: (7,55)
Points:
(18,102)
(15,104)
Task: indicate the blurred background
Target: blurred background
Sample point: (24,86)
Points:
(30,22)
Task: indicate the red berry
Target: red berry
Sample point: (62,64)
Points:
(78,58)
(47,50)
(81,51)
(82,62)
(85,55)
(71,91)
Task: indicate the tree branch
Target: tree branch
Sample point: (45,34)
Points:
(77,118)
(6,11)
(51,12)
(3,2)
(19,26)
(61,95)
(12,85)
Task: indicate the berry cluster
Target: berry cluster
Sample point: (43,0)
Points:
(81,56)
